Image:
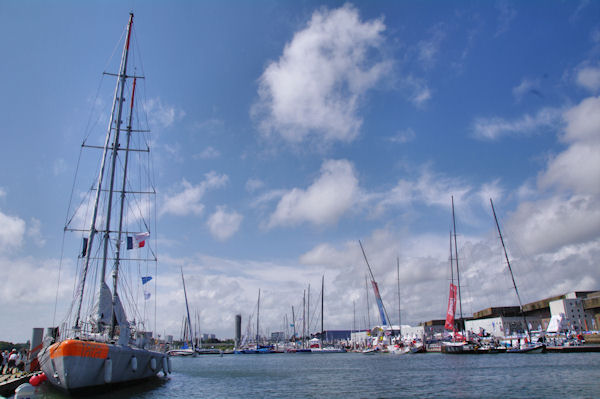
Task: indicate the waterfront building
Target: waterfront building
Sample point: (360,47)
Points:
(573,311)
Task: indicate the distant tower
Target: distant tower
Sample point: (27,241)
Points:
(238,330)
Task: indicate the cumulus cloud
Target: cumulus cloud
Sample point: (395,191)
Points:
(403,136)
(583,122)
(315,87)
(208,153)
(223,224)
(12,231)
(495,127)
(330,196)
(161,114)
(427,188)
(527,86)
(547,225)
(506,14)
(589,78)
(187,201)
(254,184)
(429,49)
(25,310)
(568,215)
(577,168)
(417,90)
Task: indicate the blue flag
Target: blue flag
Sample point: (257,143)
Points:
(145,279)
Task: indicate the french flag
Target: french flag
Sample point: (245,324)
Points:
(137,241)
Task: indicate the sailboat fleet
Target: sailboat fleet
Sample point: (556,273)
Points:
(99,346)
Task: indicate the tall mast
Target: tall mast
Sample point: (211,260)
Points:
(451,260)
(374,283)
(457,269)
(294,324)
(187,308)
(122,209)
(510,269)
(322,300)
(257,317)
(354,315)
(368,305)
(303,317)
(308,312)
(115,118)
(399,314)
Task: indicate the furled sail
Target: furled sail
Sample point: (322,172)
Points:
(102,312)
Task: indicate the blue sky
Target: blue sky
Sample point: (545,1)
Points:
(284,132)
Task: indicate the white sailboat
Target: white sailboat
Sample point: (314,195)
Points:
(97,346)
(187,330)
(527,346)
(459,344)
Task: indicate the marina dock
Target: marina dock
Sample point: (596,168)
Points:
(573,349)
(10,382)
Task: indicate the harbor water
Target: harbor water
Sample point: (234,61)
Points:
(355,375)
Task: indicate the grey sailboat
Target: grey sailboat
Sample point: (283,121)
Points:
(97,346)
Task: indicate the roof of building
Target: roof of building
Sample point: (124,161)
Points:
(502,311)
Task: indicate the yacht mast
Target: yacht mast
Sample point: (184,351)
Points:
(257,318)
(399,314)
(187,308)
(457,269)
(322,300)
(115,118)
(510,269)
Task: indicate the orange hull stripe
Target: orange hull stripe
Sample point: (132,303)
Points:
(73,347)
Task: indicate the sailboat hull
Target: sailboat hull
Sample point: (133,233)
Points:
(458,348)
(74,365)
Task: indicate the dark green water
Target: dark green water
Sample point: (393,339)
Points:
(354,375)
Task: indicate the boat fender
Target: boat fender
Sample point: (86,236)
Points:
(108,371)
(153,364)
(169,364)
(134,364)
(35,380)
(165,365)
(26,391)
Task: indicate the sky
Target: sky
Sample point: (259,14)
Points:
(285,132)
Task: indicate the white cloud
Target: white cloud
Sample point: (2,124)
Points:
(208,153)
(315,87)
(162,115)
(547,225)
(417,89)
(505,17)
(60,166)
(525,87)
(583,122)
(403,136)
(495,127)
(223,224)
(330,196)
(568,214)
(12,231)
(29,292)
(429,49)
(2,192)
(188,201)
(34,232)
(577,168)
(254,184)
(428,188)
(589,78)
